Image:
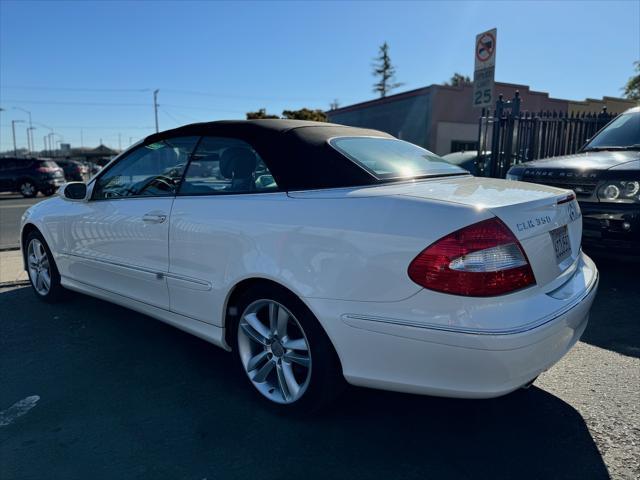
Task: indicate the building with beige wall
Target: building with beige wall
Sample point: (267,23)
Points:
(441,117)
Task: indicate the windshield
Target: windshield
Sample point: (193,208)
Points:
(388,158)
(622,133)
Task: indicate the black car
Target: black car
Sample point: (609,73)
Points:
(605,176)
(30,176)
(73,171)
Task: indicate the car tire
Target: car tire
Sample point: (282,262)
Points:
(28,189)
(41,269)
(288,385)
(47,192)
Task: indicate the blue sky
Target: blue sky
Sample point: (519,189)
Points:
(93,65)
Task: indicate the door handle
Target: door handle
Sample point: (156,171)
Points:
(154,218)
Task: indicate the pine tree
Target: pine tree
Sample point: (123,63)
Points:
(385,71)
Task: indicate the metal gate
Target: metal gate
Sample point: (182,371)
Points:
(510,136)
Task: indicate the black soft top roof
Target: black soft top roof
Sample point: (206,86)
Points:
(295,151)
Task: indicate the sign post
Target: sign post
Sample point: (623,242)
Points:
(485,68)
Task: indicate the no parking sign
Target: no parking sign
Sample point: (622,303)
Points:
(485,62)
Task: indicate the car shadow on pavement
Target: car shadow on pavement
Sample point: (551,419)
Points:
(613,323)
(125,396)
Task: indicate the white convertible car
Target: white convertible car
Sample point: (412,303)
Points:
(319,253)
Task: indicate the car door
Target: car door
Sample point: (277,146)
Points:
(220,208)
(118,239)
(6,174)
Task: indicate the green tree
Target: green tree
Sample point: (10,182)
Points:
(384,70)
(457,79)
(305,114)
(262,113)
(632,88)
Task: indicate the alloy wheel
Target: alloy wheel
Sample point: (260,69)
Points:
(274,351)
(39,267)
(27,189)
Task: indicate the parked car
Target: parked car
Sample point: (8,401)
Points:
(319,253)
(467,160)
(73,170)
(29,176)
(605,176)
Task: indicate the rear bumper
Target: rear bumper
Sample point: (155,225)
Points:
(613,227)
(394,353)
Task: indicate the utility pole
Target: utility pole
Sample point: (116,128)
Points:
(44,143)
(119,142)
(13,130)
(155,106)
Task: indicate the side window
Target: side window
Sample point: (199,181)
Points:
(226,165)
(150,170)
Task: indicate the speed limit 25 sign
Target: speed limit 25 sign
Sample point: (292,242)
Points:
(485,66)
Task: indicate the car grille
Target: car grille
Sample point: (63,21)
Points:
(581,190)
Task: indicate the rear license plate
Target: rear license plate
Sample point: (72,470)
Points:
(561,243)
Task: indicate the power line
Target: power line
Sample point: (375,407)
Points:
(170,90)
(76,89)
(53,102)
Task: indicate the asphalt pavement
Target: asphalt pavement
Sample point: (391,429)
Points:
(92,390)
(11,209)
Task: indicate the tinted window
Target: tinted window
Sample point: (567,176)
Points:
(388,158)
(6,164)
(150,170)
(226,165)
(624,131)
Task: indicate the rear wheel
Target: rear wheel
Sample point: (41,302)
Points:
(284,352)
(42,270)
(28,189)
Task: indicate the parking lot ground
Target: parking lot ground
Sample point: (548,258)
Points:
(109,393)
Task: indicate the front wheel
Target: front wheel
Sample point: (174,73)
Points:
(42,269)
(284,352)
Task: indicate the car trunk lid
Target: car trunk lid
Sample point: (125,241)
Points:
(545,220)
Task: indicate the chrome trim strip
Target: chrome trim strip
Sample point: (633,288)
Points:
(477,331)
(158,275)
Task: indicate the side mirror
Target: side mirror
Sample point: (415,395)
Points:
(74,191)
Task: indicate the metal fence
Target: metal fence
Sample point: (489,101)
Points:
(510,136)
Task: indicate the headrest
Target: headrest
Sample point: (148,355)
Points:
(237,162)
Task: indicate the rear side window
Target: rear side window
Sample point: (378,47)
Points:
(226,165)
(389,158)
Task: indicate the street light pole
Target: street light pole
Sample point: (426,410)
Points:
(33,143)
(30,144)
(13,130)
(49,135)
(155,106)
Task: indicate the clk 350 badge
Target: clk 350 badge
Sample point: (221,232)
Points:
(533,223)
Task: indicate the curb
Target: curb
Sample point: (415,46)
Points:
(17,283)
(9,249)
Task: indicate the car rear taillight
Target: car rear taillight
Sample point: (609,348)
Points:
(480,260)
(46,169)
